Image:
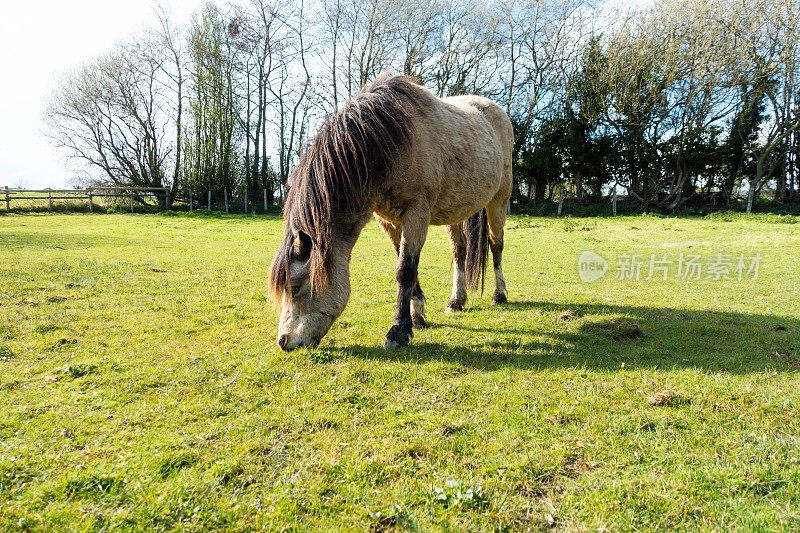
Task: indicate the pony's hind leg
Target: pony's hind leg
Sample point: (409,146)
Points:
(418,308)
(418,297)
(496,213)
(458,246)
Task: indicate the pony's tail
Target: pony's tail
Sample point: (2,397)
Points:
(476,230)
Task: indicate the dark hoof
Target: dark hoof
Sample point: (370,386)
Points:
(397,337)
(453,307)
(419,322)
(499,299)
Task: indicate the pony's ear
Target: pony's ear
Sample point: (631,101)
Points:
(301,248)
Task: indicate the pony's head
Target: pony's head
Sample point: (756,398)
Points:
(310,300)
(329,203)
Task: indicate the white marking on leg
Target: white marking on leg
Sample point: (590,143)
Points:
(499,280)
(459,294)
(417,307)
(459,280)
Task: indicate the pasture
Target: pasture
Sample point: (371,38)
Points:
(141,387)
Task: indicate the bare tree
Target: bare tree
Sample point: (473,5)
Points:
(289,87)
(468,44)
(213,147)
(542,42)
(109,115)
(416,28)
(256,42)
(168,50)
(699,83)
(768,34)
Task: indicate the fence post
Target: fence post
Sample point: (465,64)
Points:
(191,201)
(49,199)
(209,200)
(265,200)
(245,201)
(90,199)
(8,200)
(225,193)
(131,197)
(560,203)
(614,201)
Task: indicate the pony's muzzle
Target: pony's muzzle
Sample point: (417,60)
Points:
(287,346)
(283,342)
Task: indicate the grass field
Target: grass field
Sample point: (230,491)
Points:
(141,387)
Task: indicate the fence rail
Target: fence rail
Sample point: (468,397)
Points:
(90,193)
(224,200)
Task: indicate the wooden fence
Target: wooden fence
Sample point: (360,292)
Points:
(224,200)
(205,200)
(89,193)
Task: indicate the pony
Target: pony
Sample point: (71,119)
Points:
(397,152)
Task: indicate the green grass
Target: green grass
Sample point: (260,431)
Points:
(141,387)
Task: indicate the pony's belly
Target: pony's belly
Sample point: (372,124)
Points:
(455,216)
(461,198)
(441,213)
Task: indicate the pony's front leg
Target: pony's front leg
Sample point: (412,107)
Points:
(395,235)
(415,229)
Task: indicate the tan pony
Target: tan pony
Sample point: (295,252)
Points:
(411,159)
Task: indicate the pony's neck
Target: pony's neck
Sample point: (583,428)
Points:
(350,229)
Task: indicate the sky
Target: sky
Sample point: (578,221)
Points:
(39,41)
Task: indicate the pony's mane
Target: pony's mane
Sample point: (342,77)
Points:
(339,169)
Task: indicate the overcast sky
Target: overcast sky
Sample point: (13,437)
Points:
(38,42)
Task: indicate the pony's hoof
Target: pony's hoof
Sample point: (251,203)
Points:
(499,299)
(453,307)
(389,344)
(396,338)
(419,322)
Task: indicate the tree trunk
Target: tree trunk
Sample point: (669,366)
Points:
(751,195)
(539,189)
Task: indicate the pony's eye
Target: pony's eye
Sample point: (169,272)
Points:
(295,289)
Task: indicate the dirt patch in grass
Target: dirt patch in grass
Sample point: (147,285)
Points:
(669,398)
(621,329)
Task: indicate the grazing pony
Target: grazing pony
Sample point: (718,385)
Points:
(396,151)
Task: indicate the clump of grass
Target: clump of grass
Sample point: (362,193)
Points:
(172,464)
(394,518)
(570,314)
(5,353)
(13,477)
(455,493)
(63,342)
(78,370)
(93,486)
(7,332)
(46,328)
(323,356)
